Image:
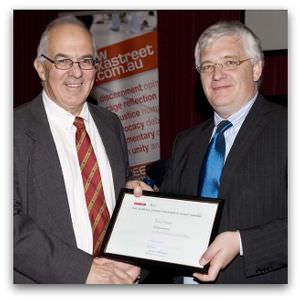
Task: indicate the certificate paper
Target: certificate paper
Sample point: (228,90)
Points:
(160,228)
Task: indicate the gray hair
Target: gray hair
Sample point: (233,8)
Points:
(69,19)
(252,44)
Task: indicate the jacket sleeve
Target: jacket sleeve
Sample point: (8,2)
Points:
(264,247)
(40,255)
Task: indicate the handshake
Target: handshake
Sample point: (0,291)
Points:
(107,271)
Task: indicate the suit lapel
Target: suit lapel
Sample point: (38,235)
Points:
(195,156)
(247,135)
(48,174)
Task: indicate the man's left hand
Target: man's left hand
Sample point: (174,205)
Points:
(219,254)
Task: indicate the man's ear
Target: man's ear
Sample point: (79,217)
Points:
(257,70)
(40,68)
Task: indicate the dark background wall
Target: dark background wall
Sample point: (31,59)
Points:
(182,103)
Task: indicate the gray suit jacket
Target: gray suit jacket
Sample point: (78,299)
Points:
(253,186)
(45,248)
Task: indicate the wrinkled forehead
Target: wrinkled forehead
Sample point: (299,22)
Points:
(66,38)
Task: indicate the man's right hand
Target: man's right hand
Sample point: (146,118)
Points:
(138,187)
(106,271)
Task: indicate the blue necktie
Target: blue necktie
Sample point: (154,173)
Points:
(212,164)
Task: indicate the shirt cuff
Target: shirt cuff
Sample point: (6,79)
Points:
(241,245)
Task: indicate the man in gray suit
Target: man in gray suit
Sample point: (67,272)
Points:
(251,245)
(53,237)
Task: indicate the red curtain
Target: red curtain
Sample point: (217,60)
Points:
(28,27)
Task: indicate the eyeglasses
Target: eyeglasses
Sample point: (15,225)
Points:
(87,63)
(227,64)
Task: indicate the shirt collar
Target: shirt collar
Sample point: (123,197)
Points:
(238,116)
(60,116)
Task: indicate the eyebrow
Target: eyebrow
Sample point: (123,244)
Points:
(224,57)
(230,56)
(62,55)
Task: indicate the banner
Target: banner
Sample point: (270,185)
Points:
(127,80)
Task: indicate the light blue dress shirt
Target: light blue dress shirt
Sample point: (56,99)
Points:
(237,120)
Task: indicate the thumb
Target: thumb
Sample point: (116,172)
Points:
(208,255)
(137,191)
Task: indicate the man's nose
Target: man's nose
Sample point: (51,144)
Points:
(218,72)
(75,70)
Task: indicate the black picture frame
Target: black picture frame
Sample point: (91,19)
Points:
(154,264)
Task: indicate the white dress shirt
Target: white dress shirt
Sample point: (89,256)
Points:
(63,131)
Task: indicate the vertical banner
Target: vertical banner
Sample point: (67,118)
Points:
(127,80)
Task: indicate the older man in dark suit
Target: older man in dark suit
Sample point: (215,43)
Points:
(70,161)
(251,246)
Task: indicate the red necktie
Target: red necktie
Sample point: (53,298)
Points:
(95,200)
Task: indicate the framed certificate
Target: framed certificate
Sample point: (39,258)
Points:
(161,230)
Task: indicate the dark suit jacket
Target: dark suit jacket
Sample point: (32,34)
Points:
(253,186)
(45,248)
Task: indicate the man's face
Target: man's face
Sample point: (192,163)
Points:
(227,91)
(68,88)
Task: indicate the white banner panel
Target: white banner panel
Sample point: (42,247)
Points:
(127,80)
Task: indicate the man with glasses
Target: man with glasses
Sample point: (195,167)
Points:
(245,165)
(70,162)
